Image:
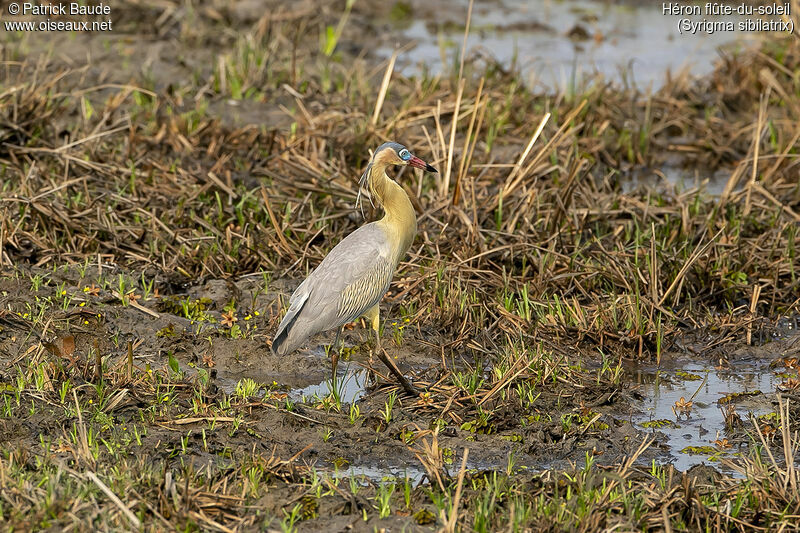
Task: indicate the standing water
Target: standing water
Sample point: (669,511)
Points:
(559,44)
(689,405)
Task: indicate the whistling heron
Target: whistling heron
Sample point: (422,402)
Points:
(354,276)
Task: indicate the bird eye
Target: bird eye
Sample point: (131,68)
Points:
(404,154)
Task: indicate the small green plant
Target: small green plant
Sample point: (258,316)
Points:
(246,388)
(354,414)
(291,518)
(330,38)
(355,487)
(36,282)
(388,406)
(174,365)
(383,498)
(147,287)
(122,288)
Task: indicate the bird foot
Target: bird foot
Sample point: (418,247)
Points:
(410,389)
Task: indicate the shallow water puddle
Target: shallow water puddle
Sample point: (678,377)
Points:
(695,433)
(381,473)
(558,43)
(712,182)
(351,384)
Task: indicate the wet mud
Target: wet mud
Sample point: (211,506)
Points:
(314,418)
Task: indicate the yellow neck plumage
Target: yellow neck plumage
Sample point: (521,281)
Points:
(399,220)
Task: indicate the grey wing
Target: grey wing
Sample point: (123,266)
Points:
(352,278)
(364,292)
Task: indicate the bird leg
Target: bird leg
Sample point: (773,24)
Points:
(374,316)
(396,371)
(335,354)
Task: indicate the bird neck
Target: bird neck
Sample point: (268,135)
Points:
(399,219)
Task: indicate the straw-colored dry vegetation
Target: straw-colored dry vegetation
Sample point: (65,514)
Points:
(235,160)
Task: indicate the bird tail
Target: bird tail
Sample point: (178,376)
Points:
(280,344)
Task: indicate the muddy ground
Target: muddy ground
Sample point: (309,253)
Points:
(198,344)
(192,413)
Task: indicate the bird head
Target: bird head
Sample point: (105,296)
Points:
(389,153)
(392,153)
